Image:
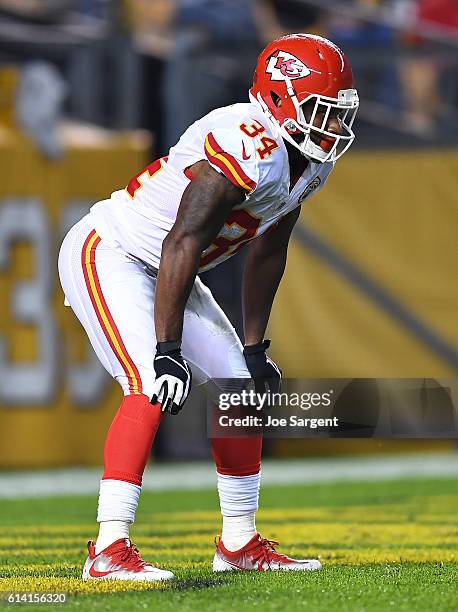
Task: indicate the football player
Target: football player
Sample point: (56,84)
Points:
(236,178)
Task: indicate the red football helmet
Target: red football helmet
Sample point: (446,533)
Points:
(301,77)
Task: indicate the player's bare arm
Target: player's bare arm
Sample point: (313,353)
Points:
(204,207)
(263,271)
(264,267)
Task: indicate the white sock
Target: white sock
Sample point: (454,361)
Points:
(109,532)
(238,496)
(238,530)
(118,501)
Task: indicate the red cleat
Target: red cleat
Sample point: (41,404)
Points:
(120,561)
(258,554)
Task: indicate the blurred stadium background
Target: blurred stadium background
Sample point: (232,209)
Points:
(91,90)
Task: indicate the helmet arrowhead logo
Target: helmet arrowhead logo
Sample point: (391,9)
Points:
(283,65)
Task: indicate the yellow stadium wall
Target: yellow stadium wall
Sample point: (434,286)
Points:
(58,431)
(394,216)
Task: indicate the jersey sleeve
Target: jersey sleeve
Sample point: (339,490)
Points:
(234,155)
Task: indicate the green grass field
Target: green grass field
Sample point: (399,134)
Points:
(383,545)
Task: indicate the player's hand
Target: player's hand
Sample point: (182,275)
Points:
(265,373)
(173,379)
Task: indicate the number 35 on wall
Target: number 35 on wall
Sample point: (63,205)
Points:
(29,301)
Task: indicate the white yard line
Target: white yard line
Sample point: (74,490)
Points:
(201,475)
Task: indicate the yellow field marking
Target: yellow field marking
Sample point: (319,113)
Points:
(153,553)
(57,567)
(345,556)
(436,508)
(366,534)
(152,540)
(30,541)
(387,520)
(420,507)
(350,532)
(184,517)
(47,529)
(74,585)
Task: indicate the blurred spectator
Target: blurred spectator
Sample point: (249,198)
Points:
(206,48)
(217,43)
(39,102)
(39,88)
(49,11)
(56,11)
(442,13)
(151,26)
(297,16)
(353,31)
(360,39)
(424,77)
(88,42)
(152,30)
(94,8)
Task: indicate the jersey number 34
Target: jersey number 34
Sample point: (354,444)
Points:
(268,144)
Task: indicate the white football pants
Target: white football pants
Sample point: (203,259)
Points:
(113,297)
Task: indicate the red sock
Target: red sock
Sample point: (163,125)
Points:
(237,456)
(129,439)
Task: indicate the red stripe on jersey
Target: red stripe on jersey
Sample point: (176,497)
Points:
(228,165)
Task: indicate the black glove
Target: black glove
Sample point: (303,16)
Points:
(173,377)
(265,373)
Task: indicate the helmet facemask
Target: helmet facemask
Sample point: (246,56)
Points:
(332,145)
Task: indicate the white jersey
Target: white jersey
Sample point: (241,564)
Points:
(238,141)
